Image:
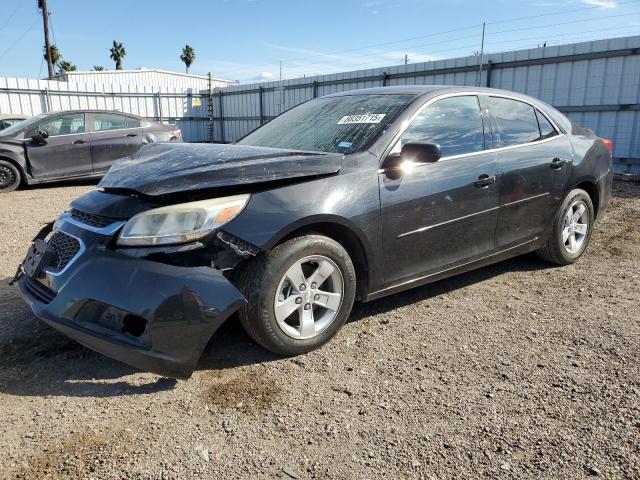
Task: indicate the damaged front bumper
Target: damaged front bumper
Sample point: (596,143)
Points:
(153,316)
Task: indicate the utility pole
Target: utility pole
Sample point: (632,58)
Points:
(42,5)
(406,59)
(281,90)
(481,56)
(210,131)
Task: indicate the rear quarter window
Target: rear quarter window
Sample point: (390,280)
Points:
(546,129)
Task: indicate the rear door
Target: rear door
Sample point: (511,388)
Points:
(444,213)
(113,136)
(535,161)
(67,149)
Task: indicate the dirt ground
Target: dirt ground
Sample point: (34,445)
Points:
(516,370)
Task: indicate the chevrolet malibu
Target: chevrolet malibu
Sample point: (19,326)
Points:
(348,197)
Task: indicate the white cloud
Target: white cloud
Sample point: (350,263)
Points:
(601,3)
(263,77)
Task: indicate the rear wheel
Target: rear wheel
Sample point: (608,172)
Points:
(299,294)
(571,229)
(10,177)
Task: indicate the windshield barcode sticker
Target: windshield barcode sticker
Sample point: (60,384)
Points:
(366,118)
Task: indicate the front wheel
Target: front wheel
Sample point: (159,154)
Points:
(10,177)
(299,295)
(571,229)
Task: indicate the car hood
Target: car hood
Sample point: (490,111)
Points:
(163,168)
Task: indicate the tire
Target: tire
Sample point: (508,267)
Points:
(271,273)
(560,251)
(10,177)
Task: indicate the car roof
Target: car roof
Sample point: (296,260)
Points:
(92,111)
(428,90)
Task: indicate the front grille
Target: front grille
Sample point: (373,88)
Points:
(66,248)
(37,290)
(97,221)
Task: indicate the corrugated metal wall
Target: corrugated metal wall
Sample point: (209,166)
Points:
(597,84)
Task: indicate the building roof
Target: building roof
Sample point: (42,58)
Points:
(78,73)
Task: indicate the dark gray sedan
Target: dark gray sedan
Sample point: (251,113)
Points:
(73,144)
(356,195)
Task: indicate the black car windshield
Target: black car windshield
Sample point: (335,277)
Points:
(20,125)
(343,124)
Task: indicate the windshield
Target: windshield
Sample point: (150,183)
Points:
(20,125)
(344,124)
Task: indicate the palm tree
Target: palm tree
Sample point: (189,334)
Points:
(117,54)
(65,66)
(98,68)
(188,56)
(55,54)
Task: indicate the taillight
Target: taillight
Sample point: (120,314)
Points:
(609,145)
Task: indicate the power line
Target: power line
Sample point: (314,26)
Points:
(528,17)
(349,60)
(55,42)
(12,14)
(376,64)
(561,23)
(19,38)
(513,19)
(561,35)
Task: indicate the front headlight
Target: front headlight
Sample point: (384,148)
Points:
(180,223)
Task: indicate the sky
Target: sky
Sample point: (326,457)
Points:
(246,40)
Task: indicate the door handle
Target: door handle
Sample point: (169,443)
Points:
(80,140)
(484,180)
(131,135)
(557,163)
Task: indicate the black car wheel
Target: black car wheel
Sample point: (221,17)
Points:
(299,294)
(571,229)
(9,177)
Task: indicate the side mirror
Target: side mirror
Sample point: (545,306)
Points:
(412,154)
(40,138)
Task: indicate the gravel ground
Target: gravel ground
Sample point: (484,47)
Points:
(515,370)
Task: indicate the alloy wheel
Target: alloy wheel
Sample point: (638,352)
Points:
(7,177)
(309,297)
(575,226)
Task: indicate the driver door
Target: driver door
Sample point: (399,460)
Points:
(438,215)
(67,151)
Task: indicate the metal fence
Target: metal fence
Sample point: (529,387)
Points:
(596,83)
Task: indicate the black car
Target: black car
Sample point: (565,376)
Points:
(73,144)
(352,196)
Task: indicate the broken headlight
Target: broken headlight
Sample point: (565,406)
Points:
(184,222)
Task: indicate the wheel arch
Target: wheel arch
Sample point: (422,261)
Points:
(590,186)
(345,234)
(16,163)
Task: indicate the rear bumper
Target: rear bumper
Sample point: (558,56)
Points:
(152,316)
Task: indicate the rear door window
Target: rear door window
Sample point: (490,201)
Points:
(108,121)
(454,123)
(516,122)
